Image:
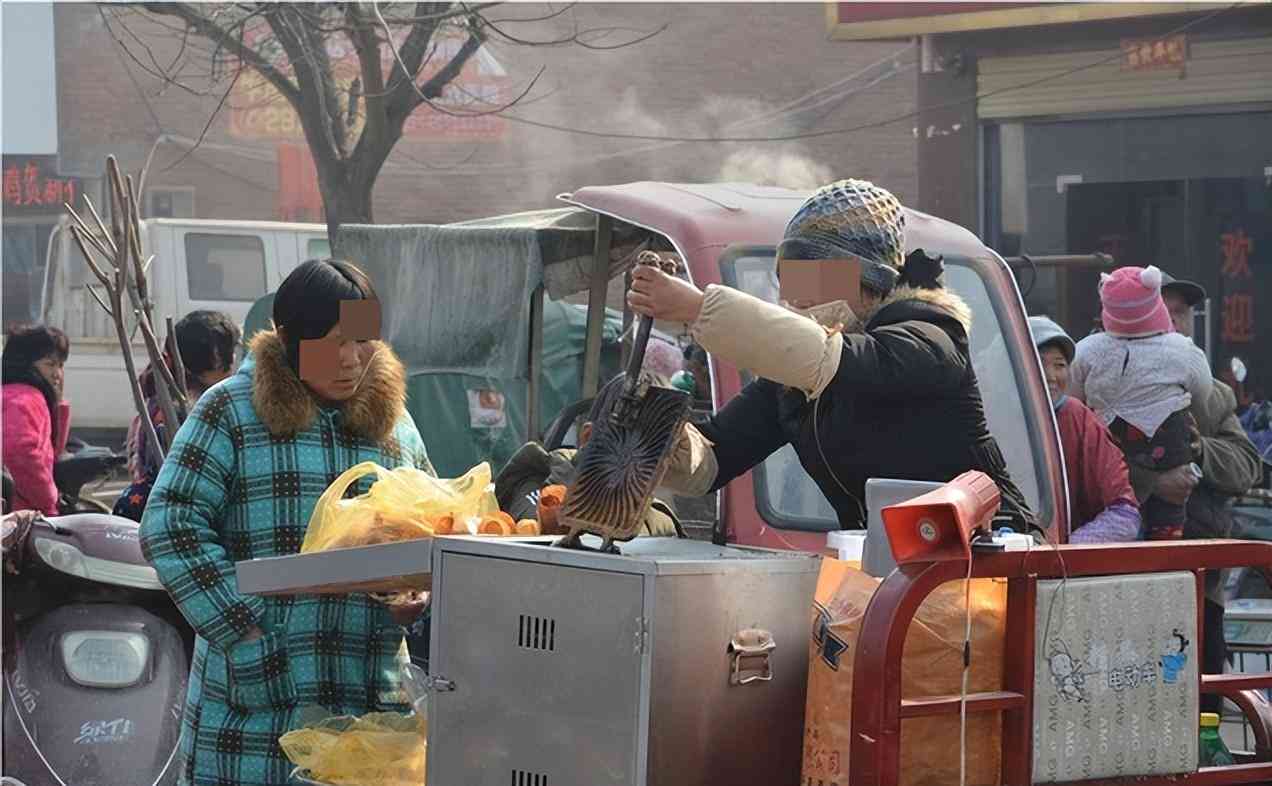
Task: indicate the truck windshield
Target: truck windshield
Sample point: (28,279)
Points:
(787,496)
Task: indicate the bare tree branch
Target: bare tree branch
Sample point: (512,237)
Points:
(101,225)
(309,98)
(578,39)
(292,47)
(565,9)
(172,77)
(78,235)
(209,29)
(315,48)
(88,233)
(178,364)
(203,134)
(100,302)
(411,58)
(447,73)
(367,46)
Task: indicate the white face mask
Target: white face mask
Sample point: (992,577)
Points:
(835,315)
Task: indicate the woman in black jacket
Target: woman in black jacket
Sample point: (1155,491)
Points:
(890,395)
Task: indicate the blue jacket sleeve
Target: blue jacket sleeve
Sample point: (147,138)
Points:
(180,530)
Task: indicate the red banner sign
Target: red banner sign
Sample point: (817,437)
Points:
(1155,54)
(32,185)
(1238,317)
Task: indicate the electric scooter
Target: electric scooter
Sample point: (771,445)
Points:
(96,656)
(82,464)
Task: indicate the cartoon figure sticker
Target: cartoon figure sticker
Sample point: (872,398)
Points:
(1068,673)
(1173,662)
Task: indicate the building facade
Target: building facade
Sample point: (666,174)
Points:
(741,70)
(1141,130)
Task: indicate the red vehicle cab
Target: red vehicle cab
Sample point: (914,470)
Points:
(727,234)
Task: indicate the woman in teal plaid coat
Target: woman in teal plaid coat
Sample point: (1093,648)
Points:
(240,482)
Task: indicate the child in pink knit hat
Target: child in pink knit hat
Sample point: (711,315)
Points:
(1140,377)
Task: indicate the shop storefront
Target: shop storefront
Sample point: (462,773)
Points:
(1144,134)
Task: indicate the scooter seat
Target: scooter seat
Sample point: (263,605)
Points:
(97,536)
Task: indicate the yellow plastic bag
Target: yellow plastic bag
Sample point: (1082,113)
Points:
(380,749)
(931,666)
(402,504)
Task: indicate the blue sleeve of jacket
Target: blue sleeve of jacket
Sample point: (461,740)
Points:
(413,450)
(180,530)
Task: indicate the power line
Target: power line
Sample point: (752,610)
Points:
(538,165)
(850,129)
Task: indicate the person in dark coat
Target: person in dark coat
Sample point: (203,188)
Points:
(890,395)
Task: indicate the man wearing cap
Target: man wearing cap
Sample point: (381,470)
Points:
(865,370)
(1230,466)
(1102,505)
(1228,460)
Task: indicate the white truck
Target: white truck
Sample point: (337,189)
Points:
(199,264)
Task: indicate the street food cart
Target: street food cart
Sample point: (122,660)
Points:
(680,662)
(677,662)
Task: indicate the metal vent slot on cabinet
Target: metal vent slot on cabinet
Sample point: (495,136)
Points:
(536,633)
(524,778)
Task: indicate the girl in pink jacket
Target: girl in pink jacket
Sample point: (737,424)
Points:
(36,421)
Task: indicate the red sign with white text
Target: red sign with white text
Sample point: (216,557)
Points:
(32,185)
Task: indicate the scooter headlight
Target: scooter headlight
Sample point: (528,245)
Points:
(105,659)
(68,559)
(61,556)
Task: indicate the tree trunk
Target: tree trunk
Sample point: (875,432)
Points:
(347,189)
(345,204)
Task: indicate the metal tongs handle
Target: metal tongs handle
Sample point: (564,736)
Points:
(625,407)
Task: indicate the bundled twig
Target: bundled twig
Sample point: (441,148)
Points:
(116,260)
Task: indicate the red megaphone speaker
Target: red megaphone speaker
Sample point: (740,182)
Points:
(939,525)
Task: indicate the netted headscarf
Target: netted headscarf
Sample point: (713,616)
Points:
(850,218)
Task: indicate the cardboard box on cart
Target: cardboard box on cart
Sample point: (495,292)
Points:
(677,662)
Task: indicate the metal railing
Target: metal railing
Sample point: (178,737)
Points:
(878,707)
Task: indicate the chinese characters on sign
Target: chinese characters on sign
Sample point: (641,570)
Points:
(1236,248)
(1238,303)
(1155,54)
(29,186)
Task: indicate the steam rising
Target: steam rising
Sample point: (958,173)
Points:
(773,168)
